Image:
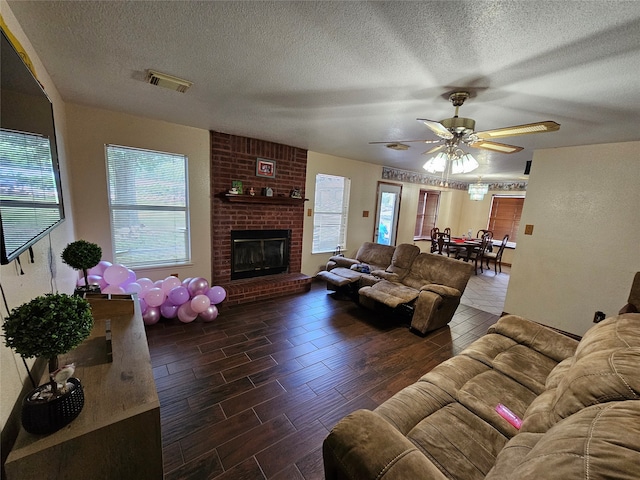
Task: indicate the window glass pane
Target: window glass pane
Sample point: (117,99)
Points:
(149,206)
(330,213)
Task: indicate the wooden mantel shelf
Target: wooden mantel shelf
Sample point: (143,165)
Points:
(262,199)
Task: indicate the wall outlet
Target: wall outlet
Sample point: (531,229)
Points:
(599,316)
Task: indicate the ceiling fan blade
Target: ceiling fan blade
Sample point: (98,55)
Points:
(434,149)
(405,141)
(539,127)
(495,146)
(437,128)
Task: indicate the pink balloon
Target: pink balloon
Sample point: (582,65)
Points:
(151,316)
(116,274)
(158,283)
(169,310)
(96,280)
(200,303)
(178,295)
(113,289)
(186,314)
(143,306)
(169,283)
(132,287)
(185,282)
(198,286)
(216,294)
(131,277)
(210,314)
(99,268)
(155,297)
(146,285)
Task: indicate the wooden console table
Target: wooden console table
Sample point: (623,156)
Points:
(117,434)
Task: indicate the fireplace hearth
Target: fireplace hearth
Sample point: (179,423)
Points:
(257,253)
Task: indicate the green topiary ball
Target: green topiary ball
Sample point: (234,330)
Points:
(48,325)
(82,255)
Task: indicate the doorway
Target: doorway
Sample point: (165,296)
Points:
(387,213)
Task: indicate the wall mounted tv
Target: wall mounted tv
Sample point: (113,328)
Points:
(30,193)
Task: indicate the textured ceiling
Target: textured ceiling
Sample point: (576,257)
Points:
(333,76)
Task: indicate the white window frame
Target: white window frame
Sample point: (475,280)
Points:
(323,213)
(129,247)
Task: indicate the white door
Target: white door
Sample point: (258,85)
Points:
(387,212)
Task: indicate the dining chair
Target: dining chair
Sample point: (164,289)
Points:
(434,239)
(477,254)
(497,256)
(452,249)
(482,233)
(442,243)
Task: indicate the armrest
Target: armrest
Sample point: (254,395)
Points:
(389,276)
(441,290)
(628,308)
(364,446)
(344,261)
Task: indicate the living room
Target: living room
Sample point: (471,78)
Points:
(579,197)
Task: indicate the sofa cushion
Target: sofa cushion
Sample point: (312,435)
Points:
(377,256)
(389,293)
(598,442)
(402,260)
(458,442)
(614,332)
(339,276)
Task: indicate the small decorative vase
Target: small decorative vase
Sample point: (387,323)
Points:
(44,417)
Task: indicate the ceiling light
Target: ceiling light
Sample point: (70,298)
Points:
(436,164)
(477,191)
(168,81)
(463,164)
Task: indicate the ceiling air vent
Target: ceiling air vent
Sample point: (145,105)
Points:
(168,81)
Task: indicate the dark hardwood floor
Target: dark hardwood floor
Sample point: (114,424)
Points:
(253,394)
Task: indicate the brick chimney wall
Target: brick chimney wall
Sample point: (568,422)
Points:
(234,158)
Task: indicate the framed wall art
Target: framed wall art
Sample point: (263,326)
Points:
(265,168)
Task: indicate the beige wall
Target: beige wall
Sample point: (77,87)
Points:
(456,210)
(90,129)
(38,277)
(583,203)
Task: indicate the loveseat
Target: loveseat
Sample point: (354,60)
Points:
(578,402)
(423,286)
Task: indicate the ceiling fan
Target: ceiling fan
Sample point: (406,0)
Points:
(458,130)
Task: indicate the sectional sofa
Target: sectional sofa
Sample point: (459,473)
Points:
(576,407)
(425,286)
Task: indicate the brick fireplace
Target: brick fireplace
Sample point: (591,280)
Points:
(234,158)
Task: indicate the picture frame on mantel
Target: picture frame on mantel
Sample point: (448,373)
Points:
(265,168)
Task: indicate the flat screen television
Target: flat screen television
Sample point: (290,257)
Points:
(30,192)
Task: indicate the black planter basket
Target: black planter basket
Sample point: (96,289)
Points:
(48,417)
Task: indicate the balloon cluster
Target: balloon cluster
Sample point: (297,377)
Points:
(185,299)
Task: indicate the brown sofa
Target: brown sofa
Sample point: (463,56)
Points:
(579,403)
(424,286)
(431,287)
(342,271)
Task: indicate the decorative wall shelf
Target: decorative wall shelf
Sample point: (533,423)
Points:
(264,200)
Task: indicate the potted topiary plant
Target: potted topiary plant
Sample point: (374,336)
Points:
(49,326)
(83,255)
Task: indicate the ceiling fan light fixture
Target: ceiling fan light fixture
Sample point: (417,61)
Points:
(465,163)
(436,164)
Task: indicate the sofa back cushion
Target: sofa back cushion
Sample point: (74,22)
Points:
(604,369)
(376,255)
(602,441)
(402,259)
(433,268)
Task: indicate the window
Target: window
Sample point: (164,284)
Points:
(428,203)
(331,208)
(504,218)
(148,204)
